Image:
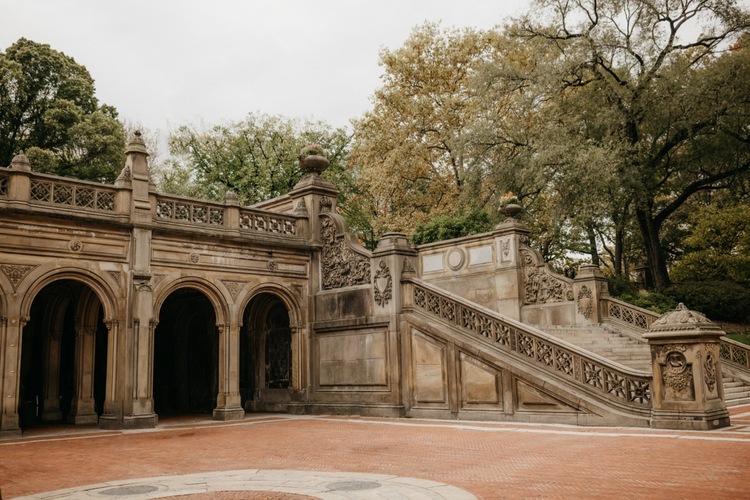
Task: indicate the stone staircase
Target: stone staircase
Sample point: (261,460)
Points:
(633,353)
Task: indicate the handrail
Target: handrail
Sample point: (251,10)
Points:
(72,193)
(735,353)
(590,371)
(181,209)
(265,221)
(634,316)
(732,352)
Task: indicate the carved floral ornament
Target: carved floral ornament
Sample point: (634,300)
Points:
(585,302)
(541,285)
(234,287)
(709,372)
(383,285)
(341,265)
(16,273)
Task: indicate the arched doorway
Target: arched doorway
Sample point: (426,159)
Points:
(64,356)
(186,344)
(266,355)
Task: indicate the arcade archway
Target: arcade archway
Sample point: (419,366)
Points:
(186,344)
(266,355)
(64,356)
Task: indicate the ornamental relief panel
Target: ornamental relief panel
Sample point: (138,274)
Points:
(677,376)
(16,273)
(341,265)
(383,285)
(540,284)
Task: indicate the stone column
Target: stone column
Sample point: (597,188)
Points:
(10,363)
(112,418)
(588,288)
(509,235)
(52,384)
(228,401)
(687,391)
(82,409)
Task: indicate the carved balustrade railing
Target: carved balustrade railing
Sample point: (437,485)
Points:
(734,353)
(267,222)
(4,184)
(191,211)
(630,315)
(598,375)
(77,194)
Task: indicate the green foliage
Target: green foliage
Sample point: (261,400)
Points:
(743,337)
(48,110)
(653,301)
(449,227)
(718,248)
(719,300)
(256,158)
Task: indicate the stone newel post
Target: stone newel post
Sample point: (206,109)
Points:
(588,288)
(687,391)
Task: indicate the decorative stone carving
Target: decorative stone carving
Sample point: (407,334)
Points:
(505,250)
(325,204)
(585,302)
(273,266)
(683,318)
(678,377)
(234,287)
(383,285)
(709,372)
(456,259)
(125,174)
(195,258)
(16,273)
(540,284)
(143,286)
(115,276)
(341,265)
(75,245)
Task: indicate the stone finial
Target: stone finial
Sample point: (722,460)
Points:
(231,198)
(136,144)
(20,162)
(683,318)
(312,159)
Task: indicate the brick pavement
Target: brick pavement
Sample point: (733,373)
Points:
(489,460)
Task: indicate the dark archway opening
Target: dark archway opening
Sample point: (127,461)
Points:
(186,346)
(266,355)
(64,357)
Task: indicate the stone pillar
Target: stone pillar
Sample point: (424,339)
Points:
(10,363)
(82,409)
(687,391)
(228,401)
(112,418)
(588,288)
(388,262)
(509,235)
(52,410)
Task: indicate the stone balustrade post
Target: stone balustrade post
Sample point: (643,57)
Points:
(391,258)
(19,180)
(588,288)
(509,235)
(231,210)
(687,391)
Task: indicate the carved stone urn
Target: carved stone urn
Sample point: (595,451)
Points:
(511,210)
(312,160)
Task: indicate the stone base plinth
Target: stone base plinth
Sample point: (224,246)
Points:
(689,420)
(229,413)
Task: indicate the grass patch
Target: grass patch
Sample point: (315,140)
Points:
(743,337)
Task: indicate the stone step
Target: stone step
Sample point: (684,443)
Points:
(737,402)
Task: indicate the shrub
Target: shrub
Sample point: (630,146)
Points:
(450,227)
(719,300)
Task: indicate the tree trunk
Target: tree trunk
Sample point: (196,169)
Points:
(657,264)
(619,246)
(593,250)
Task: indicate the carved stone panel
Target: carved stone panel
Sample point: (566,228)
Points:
(383,285)
(585,302)
(341,265)
(480,384)
(541,285)
(15,273)
(677,377)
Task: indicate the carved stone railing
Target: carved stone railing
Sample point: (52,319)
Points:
(267,222)
(77,194)
(735,353)
(4,184)
(190,211)
(597,375)
(630,315)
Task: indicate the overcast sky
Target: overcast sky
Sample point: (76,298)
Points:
(163,63)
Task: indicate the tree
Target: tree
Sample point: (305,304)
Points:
(423,150)
(49,111)
(667,110)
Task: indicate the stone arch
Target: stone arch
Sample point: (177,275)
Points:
(65,342)
(270,347)
(100,287)
(209,289)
